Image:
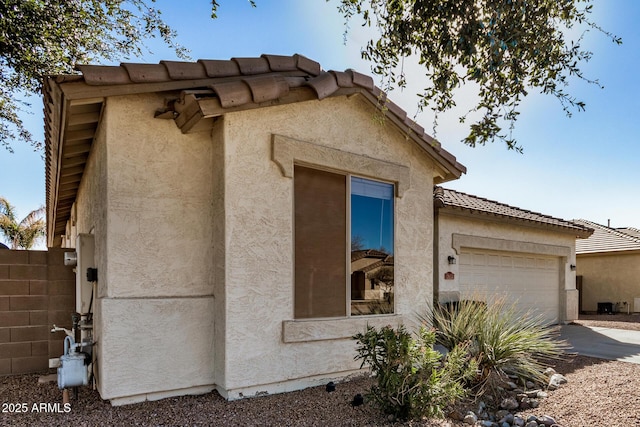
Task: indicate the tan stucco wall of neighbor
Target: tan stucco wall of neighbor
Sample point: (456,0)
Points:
(146,196)
(457,231)
(266,349)
(612,277)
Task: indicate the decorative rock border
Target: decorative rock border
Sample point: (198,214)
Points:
(518,400)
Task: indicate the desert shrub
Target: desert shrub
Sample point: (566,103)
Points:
(501,338)
(412,379)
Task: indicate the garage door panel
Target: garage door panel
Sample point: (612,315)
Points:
(506,261)
(530,282)
(493,260)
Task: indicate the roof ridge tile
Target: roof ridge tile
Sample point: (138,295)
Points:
(250,66)
(104,74)
(146,73)
(361,80)
(343,79)
(281,62)
(308,65)
(324,84)
(183,70)
(220,67)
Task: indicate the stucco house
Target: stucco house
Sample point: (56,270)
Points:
(608,265)
(219,201)
(486,250)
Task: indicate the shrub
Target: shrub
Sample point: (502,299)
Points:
(500,337)
(412,379)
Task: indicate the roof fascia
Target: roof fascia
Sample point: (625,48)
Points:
(54,156)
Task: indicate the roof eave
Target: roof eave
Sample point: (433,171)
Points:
(70,125)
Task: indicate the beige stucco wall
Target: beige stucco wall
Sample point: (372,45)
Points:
(91,217)
(489,232)
(266,349)
(612,277)
(147,197)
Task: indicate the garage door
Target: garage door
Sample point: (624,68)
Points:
(532,282)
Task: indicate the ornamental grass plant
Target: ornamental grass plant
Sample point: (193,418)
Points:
(504,340)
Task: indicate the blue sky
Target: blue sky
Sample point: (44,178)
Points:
(586,166)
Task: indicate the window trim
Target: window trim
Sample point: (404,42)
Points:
(288,151)
(306,330)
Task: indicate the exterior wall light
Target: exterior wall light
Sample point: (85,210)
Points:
(572,267)
(451,259)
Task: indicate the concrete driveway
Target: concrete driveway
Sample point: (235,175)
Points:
(604,343)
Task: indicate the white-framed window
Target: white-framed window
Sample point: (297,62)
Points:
(344,244)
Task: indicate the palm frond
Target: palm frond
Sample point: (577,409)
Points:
(26,233)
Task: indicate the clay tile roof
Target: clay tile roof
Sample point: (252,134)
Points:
(369,253)
(178,70)
(415,127)
(630,230)
(250,66)
(343,78)
(220,68)
(324,85)
(361,80)
(147,73)
(266,88)
(607,239)
(95,75)
(281,63)
(451,199)
(232,93)
(377,265)
(308,65)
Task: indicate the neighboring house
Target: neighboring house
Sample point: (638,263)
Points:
(609,267)
(220,198)
(486,250)
(372,280)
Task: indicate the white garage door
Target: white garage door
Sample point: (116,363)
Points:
(532,282)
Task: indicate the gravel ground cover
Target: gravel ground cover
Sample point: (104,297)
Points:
(598,393)
(615,321)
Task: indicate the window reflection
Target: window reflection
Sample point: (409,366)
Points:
(372,246)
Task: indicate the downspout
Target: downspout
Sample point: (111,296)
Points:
(437,204)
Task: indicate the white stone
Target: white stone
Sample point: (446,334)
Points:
(556,381)
(470,418)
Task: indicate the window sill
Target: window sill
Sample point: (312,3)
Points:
(334,329)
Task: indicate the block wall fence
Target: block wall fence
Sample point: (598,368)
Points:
(36,291)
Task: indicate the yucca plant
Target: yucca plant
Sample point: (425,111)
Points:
(500,337)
